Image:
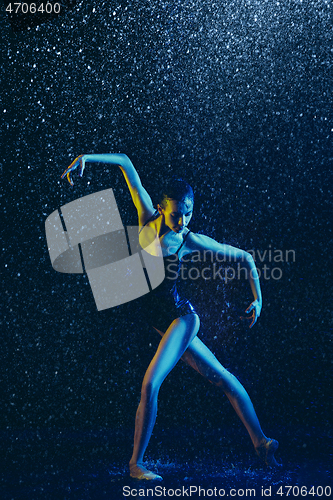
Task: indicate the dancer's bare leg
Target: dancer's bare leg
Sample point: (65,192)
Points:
(172,346)
(203,361)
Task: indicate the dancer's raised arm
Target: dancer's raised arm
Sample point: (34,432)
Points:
(140,197)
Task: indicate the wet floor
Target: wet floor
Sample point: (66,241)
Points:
(93,465)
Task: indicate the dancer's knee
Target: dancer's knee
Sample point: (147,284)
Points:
(227,382)
(219,381)
(149,390)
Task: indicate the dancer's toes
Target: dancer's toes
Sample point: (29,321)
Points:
(266,452)
(139,472)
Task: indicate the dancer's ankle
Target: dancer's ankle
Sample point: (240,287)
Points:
(261,442)
(266,451)
(138,471)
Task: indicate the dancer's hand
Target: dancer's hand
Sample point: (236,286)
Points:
(79,163)
(255,307)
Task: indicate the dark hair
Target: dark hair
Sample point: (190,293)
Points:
(176,189)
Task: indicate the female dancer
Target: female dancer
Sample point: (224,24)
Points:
(179,338)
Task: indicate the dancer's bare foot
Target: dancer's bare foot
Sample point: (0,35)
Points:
(266,451)
(140,472)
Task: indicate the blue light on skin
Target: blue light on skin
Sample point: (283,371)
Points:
(180,338)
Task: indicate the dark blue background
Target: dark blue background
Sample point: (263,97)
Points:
(236,98)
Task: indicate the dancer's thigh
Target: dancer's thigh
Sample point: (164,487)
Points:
(172,346)
(199,357)
(202,359)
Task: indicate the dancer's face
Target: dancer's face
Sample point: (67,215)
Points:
(177,214)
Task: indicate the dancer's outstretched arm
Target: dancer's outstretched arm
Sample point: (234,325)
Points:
(140,197)
(201,243)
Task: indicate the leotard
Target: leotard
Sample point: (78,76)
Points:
(164,304)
